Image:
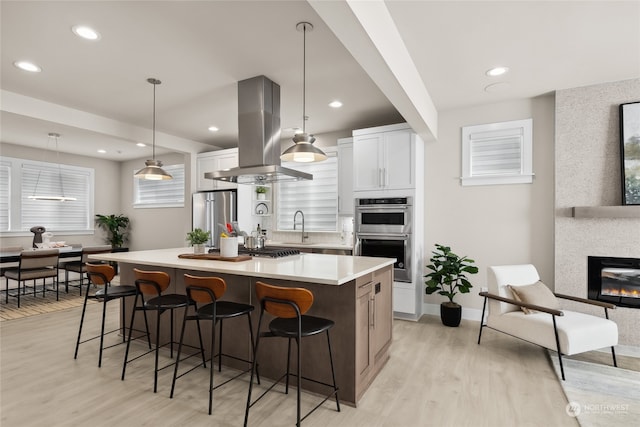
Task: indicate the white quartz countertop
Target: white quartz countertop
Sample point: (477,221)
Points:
(306,267)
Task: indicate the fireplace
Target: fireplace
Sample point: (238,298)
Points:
(614,280)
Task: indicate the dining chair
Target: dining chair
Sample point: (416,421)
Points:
(33,265)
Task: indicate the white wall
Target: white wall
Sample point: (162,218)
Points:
(161,227)
(494,225)
(107,187)
(588,174)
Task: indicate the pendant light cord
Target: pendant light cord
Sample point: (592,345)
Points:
(153,138)
(59,167)
(304,77)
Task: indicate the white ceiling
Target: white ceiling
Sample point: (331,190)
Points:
(386,61)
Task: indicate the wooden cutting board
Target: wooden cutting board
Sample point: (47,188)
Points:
(216,257)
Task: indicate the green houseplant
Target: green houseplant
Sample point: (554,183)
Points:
(448,278)
(197,238)
(116,227)
(261,192)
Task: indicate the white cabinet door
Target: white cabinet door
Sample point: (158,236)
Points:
(399,161)
(384,160)
(214,161)
(366,162)
(345,177)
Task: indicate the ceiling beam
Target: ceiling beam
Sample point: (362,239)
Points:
(47,111)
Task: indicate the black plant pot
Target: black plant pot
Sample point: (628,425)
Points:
(450,314)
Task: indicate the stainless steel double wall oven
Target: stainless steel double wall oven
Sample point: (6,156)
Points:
(384,229)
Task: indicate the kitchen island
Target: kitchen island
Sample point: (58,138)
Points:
(355,292)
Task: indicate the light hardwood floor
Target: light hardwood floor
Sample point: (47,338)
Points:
(437,376)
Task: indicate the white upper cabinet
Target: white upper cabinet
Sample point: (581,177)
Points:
(384,158)
(215,161)
(345,177)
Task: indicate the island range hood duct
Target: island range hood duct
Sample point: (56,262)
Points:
(258,137)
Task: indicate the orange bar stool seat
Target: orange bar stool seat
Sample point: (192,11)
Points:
(102,275)
(289,306)
(150,286)
(206,293)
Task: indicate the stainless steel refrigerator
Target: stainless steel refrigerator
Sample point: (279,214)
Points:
(212,210)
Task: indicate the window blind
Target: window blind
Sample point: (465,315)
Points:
(496,156)
(317,199)
(51,179)
(154,194)
(5,195)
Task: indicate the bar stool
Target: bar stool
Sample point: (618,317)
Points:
(151,284)
(102,275)
(208,291)
(288,305)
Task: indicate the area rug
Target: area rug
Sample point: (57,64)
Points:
(599,394)
(33,305)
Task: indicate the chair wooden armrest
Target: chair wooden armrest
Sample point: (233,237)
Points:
(587,301)
(522,304)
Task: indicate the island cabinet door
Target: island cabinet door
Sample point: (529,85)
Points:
(364,344)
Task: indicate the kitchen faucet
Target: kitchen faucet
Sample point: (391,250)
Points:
(294,224)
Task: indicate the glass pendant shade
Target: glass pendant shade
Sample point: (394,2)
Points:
(303,149)
(153,168)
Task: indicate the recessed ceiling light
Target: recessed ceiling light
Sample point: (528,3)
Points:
(85,32)
(213,129)
(497,71)
(27,66)
(335,104)
(101,151)
(140,144)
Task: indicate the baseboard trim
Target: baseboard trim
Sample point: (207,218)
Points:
(467,313)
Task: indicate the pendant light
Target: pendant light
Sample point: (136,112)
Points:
(52,196)
(153,168)
(303,149)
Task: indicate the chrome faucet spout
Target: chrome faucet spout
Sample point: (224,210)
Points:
(295,215)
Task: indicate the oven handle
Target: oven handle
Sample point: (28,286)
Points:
(384,236)
(382,207)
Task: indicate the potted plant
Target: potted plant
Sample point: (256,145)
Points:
(448,277)
(198,237)
(261,192)
(116,227)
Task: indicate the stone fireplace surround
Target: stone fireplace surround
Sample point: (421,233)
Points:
(587,173)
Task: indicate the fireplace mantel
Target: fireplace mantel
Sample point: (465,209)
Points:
(632,211)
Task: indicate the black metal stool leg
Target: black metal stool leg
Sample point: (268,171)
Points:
(204,359)
(299,374)
(333,373)
(219,347)
(175,369)
(253,350)
(104,315)
(286,388)
(84,309)
(155,370)
(126,353)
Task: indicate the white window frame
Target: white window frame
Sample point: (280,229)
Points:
(16,195)
(286,223)
(162,200)
(501,137)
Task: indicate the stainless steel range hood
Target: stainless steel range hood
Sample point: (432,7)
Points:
(258,137)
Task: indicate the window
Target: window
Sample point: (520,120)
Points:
(160,194)
(497,153)
(318,198)
(23,178)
